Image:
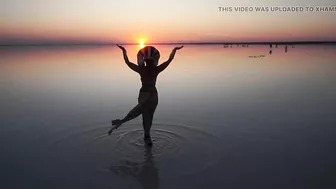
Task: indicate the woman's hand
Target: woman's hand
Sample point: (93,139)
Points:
(121,47)
(133,66)
(178,48)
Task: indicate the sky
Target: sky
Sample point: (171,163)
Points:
(162,21)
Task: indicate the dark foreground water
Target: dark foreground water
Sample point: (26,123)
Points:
(227,118)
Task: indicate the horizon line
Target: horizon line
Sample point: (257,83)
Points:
(92,43)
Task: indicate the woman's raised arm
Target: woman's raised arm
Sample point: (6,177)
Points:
(164,65)
(131,65)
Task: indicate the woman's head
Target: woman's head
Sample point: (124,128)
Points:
(150,62)
(149,55)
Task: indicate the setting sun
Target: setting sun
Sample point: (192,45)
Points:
(142,43)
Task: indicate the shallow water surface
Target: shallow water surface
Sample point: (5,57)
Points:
(227,118)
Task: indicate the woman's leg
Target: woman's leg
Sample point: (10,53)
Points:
(147,117)
(147,120)
(135,112)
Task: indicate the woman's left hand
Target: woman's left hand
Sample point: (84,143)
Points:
(121,47)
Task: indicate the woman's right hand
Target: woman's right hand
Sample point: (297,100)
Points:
(178,48)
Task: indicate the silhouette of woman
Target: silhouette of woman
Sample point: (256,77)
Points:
(148,68)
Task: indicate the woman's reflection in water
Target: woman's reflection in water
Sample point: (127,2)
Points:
(145,172)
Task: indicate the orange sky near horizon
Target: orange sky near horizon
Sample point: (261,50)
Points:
(164,21)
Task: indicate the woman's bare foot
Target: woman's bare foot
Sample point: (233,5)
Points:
(148,140)
(115,123)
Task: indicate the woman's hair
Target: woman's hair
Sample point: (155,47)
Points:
(148,52)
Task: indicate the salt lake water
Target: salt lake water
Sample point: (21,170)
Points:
(227,118)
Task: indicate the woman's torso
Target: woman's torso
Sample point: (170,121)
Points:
(148,79)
